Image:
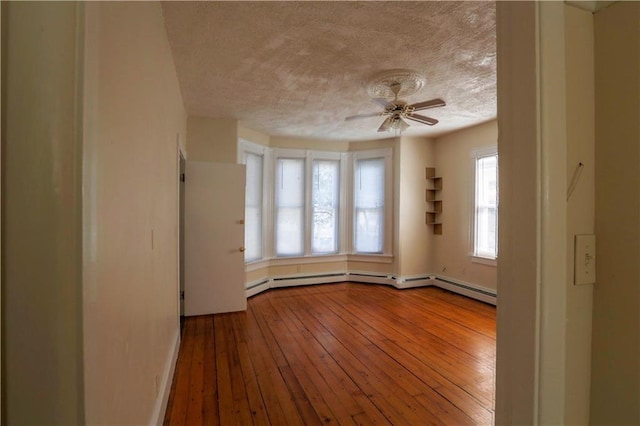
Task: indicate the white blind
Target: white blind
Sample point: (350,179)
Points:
(289,206)
(325,197)
(486,223)
(253,208)
(369,198)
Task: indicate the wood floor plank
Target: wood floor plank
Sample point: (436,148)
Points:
(338,354)
(436,372)
(254,395)
(194,412)
(178,413)
(210,415)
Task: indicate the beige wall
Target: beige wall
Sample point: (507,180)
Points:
(212,139)
(454,164)
(416,242)
(41,239)
(580,206)
(253,136)
(133,120)
(319,145)
(615,388)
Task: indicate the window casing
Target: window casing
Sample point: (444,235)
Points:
(369,201)
(308,205)
(253,207)
(485,225)
(325,205)
(290,206)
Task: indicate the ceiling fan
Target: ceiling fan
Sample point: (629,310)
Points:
(397,111)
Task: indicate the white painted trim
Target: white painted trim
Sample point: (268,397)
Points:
(371,278)
(160,406)
(293,281)
(414,282)
(256,289)
(467,289)
(484,260)
(256,265)
(370,258)
(307,260)
(314,259)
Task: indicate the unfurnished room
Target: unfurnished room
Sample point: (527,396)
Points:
(313,212)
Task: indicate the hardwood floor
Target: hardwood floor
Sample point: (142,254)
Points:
(339,353)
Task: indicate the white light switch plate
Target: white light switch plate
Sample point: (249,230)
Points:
(585,259)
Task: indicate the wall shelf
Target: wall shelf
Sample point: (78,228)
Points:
(434,201)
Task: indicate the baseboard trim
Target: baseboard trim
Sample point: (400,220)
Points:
(414,282)
(296,280)
(371,278)
(160,407)
(473,291)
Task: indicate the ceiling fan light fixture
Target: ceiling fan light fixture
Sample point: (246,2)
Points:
(405,81)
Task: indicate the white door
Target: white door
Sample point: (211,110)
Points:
(214,238)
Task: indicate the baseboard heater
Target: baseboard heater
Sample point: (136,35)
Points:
(294,280)
(257,284)
(307,277)
(466,290)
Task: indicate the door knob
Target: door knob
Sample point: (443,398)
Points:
(242,249)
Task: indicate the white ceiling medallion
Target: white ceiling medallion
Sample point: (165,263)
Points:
(380,85)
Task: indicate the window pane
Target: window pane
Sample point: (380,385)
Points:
(369,205)
(325,196)
(289,207)
(253,208)
(486,222)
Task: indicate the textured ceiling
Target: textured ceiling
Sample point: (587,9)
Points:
(298,69)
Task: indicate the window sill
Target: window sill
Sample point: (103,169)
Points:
(306,260)
(484,260)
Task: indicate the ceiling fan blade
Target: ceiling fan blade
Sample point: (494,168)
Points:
(385,103)
(422,119)
(386,124)
(433,103)
(355,117)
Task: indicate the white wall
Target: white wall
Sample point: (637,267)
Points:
(580,207)
(134,116)
(453,249)
(41,235)
(516,356)
(615,390)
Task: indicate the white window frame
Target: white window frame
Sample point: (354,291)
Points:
(387,155)
(346,207)
(477,155)
(309,156)
(336,157)
(247,147)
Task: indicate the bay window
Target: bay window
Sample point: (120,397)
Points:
(304,203)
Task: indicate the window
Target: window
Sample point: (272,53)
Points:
(253,208)
(289,202)
(306,203)
(325,196)
(485,241)
(369,205)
